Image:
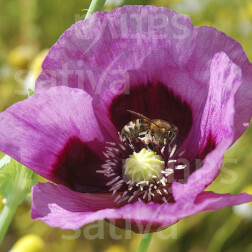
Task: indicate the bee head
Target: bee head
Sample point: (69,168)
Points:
(171,134)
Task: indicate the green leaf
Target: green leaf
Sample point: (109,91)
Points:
(15,180)
(15,183)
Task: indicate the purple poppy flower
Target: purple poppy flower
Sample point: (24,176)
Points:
(149,60)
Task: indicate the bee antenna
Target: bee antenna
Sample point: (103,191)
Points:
(138,114)
(142,116)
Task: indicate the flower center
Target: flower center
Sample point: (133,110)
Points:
(143,165)
(139,171)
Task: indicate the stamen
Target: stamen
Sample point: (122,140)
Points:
(130,188)
(141,183)
(162,181)
(135,193)
(180,167)
(130,199)
(165,191)
(181,153)
(111,143)
(164,199)
(145,194)
(149,196)
(113,181)
(105,154)
(173,150)
(122,147)
(123,199)
(117,198)
(172,161)
(111,154)
(162,150)
(139,169)
(111,175)
(124,194)
(100,171)
(119,183)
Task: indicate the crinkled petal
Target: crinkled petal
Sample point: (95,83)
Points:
(56,134)
(58,206)
(214,129)
(135,46)
(207,42)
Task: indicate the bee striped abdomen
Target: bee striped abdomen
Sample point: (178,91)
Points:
(133,128)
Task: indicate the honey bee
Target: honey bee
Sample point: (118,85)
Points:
(159,130)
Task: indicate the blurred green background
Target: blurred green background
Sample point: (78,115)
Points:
(27,27)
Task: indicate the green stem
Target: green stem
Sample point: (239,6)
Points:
(96,5)
(145,242)
(5,219)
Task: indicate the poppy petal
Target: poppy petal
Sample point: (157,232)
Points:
(57,135)
(60,207)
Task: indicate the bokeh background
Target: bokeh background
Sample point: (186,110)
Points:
(27,29)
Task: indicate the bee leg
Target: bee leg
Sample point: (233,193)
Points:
(150,146)
(144,137)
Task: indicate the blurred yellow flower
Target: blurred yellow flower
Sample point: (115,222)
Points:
(29,243)
(35,69)
(35,66)
(21,55)
(249,9)
(248,189)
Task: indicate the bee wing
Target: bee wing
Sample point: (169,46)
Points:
(142,116)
